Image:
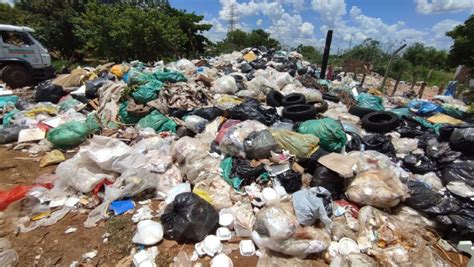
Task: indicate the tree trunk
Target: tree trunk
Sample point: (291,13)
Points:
(413,83)
(422,89)
(396,84)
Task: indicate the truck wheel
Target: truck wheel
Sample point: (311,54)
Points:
(16,76)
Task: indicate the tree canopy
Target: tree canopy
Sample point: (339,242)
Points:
(310,53)
(238,40)
(462,51)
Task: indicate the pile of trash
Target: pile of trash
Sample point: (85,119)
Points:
(249,145)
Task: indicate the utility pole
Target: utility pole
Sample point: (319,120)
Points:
(388,67)
(232,18)
(327,48)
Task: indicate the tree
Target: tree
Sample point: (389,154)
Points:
(53,22)
(127,32)
(462,51)
(11,15)
(399,67)
(238,40)
(310,53)
(370,50)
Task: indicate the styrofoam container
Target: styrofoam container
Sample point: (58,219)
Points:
(211,245)
(221,260)
(223,233)
(270,196)
(247,248)
(226,219)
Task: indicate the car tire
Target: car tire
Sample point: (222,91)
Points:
(331,98)
(274,98)
(300,112)
(380,121)
(360,112)
(321,107)
(293,99)
(16,76)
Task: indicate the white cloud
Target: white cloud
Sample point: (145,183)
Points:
(438,37)
(259,22)
(298,5)
(307,28)
(331,11)
(292,30)
(439,6)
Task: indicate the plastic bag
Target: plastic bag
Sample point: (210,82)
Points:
(424,108)
(365,100)
(51,158)
(244,170)
(258,145)
(459,171)
(381,143)
(158,122)
(378,188)
(48,92)
(402,112)
(207,113)
(14,194)
(195,123)
(300,145)
(225,85)
(189,218)
(291,181)
(354,143)
(69,134)
(311,205)
(93,86)
(329,131)
(251,109)
(232,143)
(169,76)
(224,128)
(147,92)
(9,116)
(404,145)
(8,258)
(226,167)
(8,100)
(328,179)
(10,133)
(462,139)
(419,164)
(441,152)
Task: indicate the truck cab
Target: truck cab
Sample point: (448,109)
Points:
(23,59)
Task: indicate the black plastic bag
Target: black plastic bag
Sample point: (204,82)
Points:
(381,143)
(291,181)
(250,109)
(409,132)
(423,139)
(244,170)
(459,172)
(462,139)
(207,113)
(48,92)
(10,133)
(355,142)
(311,164)
(419,164)
(440,152)
(328,179)
(189,218)
(258,145)
(93,86)
(423,198)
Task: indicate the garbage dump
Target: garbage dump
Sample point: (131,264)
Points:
(237,147)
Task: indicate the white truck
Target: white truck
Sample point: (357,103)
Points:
(23,59)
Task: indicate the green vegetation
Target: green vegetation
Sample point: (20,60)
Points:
(462,52)
(238,40)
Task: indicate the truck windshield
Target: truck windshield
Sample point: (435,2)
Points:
(36,41)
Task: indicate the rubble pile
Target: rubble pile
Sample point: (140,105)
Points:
(249,146)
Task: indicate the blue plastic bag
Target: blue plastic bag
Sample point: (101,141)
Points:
(424,108)
(8,99)
(365,100)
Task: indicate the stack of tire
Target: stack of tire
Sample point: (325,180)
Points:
(296,108)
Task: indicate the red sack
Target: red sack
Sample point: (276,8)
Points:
(224,128)
(16,193)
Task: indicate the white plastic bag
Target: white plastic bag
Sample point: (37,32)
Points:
(225,85)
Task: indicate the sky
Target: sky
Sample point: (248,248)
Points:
(294,22)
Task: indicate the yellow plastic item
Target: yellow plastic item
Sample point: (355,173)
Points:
(250,56)
(443,118)
(375,91)
(119,70)
(41,215)
(300,145)
(51,110)
(51,158)
(228,99)
(203,194)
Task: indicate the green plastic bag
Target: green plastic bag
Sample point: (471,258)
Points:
(365,100)
(453,112)
(427,124)
(300,145)
(69,134)
(169,76)
(69,103)
(126,117)
(226,167)
(329,131)
(147,92)
(92,123)
(136,76)
(158,122)
(8,117)
(402,112)
(8,99)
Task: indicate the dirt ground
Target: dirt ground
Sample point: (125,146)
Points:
(50,246)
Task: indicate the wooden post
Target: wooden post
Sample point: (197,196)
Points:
(423,85)
(363,80)
(327,48)
(396,84)
(382,86)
